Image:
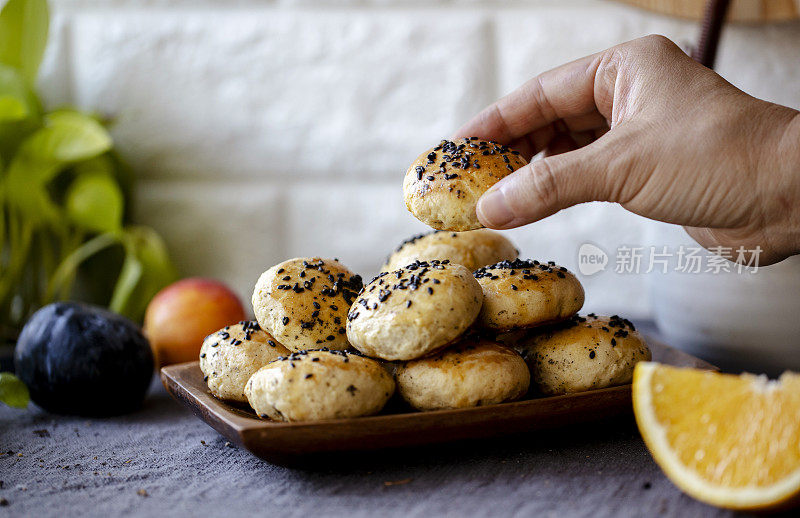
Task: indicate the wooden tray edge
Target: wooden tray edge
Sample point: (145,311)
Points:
(279,441)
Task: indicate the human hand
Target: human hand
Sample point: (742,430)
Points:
(644,125)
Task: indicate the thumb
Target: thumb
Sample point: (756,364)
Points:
(544,187)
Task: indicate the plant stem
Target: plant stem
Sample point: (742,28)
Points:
(61,281)
(21,232)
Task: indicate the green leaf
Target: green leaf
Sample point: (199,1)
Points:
(14,130)
(68,136)
(13,392)
(94,202)
(23,35)
(12,109)
(99,164)
(12,84)
(147,269)
(32,200)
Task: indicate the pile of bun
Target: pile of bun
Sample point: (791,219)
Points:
(454,320)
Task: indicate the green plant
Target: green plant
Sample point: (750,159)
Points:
(63,193)
(13,392)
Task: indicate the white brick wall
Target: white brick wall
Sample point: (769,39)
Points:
(268,129)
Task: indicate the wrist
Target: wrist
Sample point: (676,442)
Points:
(781,162)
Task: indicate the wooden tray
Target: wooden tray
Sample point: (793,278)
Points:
(285,442)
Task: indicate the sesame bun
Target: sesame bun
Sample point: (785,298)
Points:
(412,311)
(472,249)
(442,186)
(317,385)
(231,355)
(519,294)
(583,353)
(472,373)
(303,302)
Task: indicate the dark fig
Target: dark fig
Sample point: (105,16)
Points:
(81,359)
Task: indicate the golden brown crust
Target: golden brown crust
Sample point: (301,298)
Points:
(317,385)
(303,302)
(231,355)
(412,311)
(443,185)
(472,373)
(521,294)
(472,249)
(583,353)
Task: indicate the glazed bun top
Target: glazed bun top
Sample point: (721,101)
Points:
(412,311)
(591,329)
(231,355)
(583,353)
(471,373)
(443,185)
(303,302)
(319,384)
(525,293)
(472,249)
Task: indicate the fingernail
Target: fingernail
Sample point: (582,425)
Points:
(493,209)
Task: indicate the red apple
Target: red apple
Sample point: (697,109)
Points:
(181,315)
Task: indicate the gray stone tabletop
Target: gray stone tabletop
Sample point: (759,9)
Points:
(162,460)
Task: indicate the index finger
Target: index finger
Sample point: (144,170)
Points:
(563,93)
